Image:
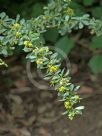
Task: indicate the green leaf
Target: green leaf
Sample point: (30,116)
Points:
(37,9)
(27,49)
(65,113)
(97,12)
(88,2)
(2,15)
(51,35)
(96,42)
(80,108)
(77,88)
(78,9)
(95,64)
(4,51)
(64,46)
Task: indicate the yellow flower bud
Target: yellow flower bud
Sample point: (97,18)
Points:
(34,50)
(18,34)
(41,50)
(16,26)
(61,89)
(39,61)
(25,43)
(53,69)
(70,12)
(28,44)
(67,105)
(49,66)
(62,81)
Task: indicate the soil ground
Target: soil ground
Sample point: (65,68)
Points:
(33,112)
(28,111)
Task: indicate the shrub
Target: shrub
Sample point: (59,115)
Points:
(28,34)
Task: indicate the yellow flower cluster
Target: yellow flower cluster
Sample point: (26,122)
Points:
(16,26)
(39,61)
(62,81)
(18,34)
(35,50)
(28,44)
(70,11)
(42,50)
(61,89)
(67,105)
(52,69)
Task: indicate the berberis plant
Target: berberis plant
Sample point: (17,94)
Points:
(28,33)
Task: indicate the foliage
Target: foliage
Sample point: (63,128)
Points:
(96,63)
(67,45)
(81,7)
(28,33)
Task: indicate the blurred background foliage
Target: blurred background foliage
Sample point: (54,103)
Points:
(33,8)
